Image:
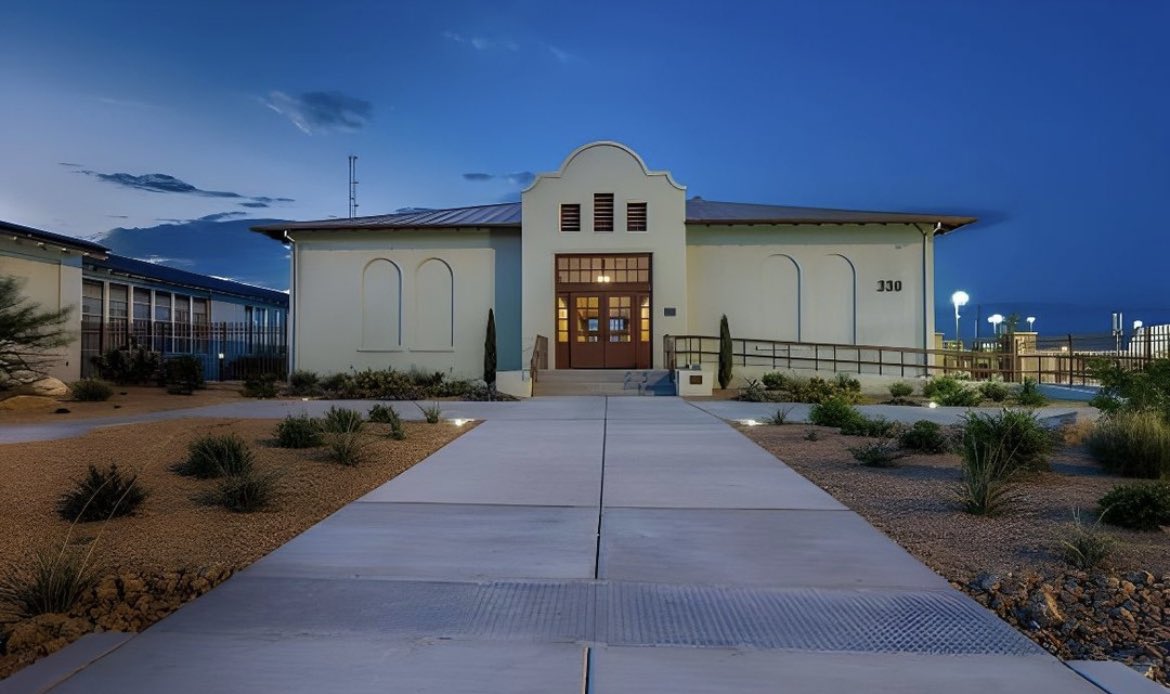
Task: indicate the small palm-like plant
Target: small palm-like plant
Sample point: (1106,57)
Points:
(781,416)
(988,473)
(1087,546)
(431,413)
(51,581)
(339,420)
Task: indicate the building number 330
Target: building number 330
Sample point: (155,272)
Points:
(889,285)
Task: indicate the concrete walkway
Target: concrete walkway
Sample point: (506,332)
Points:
(615,545)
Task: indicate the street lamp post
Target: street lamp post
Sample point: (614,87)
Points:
(995,320)
(959,298)
(1031,322)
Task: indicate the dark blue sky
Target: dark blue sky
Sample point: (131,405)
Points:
(1046,118)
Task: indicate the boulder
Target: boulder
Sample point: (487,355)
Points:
(48,387)
(28,403)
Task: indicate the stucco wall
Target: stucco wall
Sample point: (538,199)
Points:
(52,280)
(393,299)
(604,168)
(811,283)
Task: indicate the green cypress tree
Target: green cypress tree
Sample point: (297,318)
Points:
(489,350)
(724,353)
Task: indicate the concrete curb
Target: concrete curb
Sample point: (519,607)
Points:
(50,671)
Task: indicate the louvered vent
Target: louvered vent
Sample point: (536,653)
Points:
(603,212)
(636,216)
(570,218)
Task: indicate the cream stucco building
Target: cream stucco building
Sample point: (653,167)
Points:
(603,257)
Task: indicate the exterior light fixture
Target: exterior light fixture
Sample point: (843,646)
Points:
(995,320)
(932,405)
(603,278)
(460,422)
(1031,321)
(959,298)
(750,422)
(1137,324)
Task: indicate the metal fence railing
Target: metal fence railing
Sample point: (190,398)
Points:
(1011,358)
(228,351)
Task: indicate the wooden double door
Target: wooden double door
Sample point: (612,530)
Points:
(607,329)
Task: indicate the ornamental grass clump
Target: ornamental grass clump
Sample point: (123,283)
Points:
(300,431)
(210,457)
(881,454)
(51,581)
(431,413)
(1087,545)
(1132,444)
(245,493)
(101,495)
(949,391)
(871,427)
(988,476)
(338,420)
(1023,442)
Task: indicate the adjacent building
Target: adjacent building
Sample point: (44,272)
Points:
(116,300)
(604,258)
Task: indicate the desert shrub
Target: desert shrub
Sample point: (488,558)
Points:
(951,392)
(341,419)
(812,435)
(397,430)
(211,456)
(877,454)
(91,390)
(872,427)
(1133,390)
(923,436)
(451,389)
(431,413)
(244,493)
(346,446)
(994,391)
(1030,395)
(382,414)
(808,390)
(132,364)
(901,389)
(100,495)
(481,392)
(1132,444)
(781,416)
(260,386)
(988,478)
(303,383)
(182,375)
(298,432)
(774,380)
(1023,442)
(1138,506)
(1087,545)
(753,391)
(834,412)
(335,384)
(52,581)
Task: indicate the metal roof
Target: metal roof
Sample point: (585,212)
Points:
(699,211)
(69,243)
(141,269)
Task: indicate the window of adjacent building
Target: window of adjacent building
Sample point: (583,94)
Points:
(603,212)
(619,269)
(199,311)
(635,216)
(141,304)
(119,301)
(570,217)
(162,325)
(162,306)
(91,300)
(200,319)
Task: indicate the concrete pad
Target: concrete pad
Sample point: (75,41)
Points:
(224,663)
(441,541)
(700,671)
(658,409)
(1115,677)
(508,462)
(733,410)
(827,549)
(42,675)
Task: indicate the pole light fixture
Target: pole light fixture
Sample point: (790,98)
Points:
(995,320)
(1031,322)
(1137,324)
(959,298)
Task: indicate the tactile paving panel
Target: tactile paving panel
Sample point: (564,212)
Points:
(936,622)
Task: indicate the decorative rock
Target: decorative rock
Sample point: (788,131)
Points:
(42,387)
(26,403)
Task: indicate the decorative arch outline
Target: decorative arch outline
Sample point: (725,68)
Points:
(434,306)
(852,295)
(374,333)
(603,143)
(799,286)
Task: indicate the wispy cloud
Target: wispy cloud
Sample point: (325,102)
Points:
(560,54)
(129,103)
(517,178)
(163,260)
(253,205)
(481,43)
(165,183)
(321,112)
(219,216)
(118,216)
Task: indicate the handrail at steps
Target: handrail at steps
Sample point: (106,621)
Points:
(539,359)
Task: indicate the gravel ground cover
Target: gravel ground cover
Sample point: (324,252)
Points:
(127,400)
(1010,563)
(172,534)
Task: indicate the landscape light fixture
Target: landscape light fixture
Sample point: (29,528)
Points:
(995,320)
(1031,321)
(959,298)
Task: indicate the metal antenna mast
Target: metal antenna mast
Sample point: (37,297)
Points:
(353,205)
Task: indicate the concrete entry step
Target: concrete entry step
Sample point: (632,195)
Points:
(612,382)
